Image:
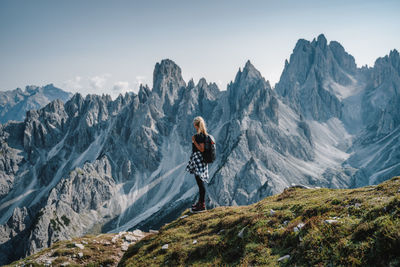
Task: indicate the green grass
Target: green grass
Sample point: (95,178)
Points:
(95,253)
(367,232)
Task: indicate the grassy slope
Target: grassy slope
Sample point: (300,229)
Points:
(98,250)
(367,231)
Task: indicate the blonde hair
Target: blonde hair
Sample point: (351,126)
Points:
(199,122)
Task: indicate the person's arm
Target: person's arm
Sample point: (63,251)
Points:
(199,146)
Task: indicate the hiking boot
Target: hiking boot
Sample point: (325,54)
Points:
(201,206)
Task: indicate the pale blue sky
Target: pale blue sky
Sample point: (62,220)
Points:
(112,46)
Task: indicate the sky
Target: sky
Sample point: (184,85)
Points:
(111,47)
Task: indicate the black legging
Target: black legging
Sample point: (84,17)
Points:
(202,189)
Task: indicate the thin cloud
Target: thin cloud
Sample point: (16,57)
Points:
(139,80)
(120,86)
(98,82)
(72,85)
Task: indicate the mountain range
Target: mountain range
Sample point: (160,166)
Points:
(15,103)
(106,165)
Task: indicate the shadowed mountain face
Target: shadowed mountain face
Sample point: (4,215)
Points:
(14,104)
(96,164)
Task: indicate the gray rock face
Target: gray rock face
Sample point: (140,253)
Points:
(251,95)
(311,82)
(14,104)
(382,98)
(376,148)
(95,164)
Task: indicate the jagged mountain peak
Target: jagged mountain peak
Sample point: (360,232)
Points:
(394,54)
(167,84)
(317,77)
(166,68)
(165,73)
(320,42)
(249,74)
(15,103)
(190,84)
(392,59)
(96,97)
(202,83)
(144,93)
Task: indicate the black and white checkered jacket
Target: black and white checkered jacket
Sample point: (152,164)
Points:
(197,166)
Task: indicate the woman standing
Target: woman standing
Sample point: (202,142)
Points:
(196,164)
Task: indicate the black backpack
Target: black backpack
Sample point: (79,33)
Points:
(209,149)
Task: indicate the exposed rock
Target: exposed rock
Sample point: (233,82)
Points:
(241,233)
(331,221)
(125,246)
(130,238)
(272,212)
(284,258)
(79,246)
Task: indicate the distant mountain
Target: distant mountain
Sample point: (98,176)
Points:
(113,165)
(14,104)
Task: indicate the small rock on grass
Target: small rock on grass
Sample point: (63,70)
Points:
(331,221)
(240,234)
(79,246)
(272,212)
(130,238)
(284,258)
(195,241)
(80,255)
(138,233)
(298,227)
(114,239)
(164,246)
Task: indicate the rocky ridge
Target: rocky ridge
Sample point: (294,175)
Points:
(15,103)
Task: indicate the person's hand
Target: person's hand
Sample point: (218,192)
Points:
(193,139)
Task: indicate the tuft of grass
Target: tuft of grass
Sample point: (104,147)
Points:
(341,227)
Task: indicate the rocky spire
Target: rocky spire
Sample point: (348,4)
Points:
(144,93)
(167,78)
(167,85)
(249,87)
(310,80)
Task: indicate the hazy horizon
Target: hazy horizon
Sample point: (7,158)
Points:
(112,47)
